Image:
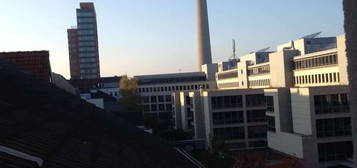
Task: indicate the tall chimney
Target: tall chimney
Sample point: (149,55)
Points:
(203,37)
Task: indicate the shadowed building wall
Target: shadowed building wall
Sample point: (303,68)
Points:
(350,11)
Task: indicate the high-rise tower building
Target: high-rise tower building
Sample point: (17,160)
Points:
(203,36)
(83,44)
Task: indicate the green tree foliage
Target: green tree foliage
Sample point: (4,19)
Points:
(130,100)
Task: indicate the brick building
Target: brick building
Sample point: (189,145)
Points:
(34,62)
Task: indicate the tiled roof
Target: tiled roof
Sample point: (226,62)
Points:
(44,121)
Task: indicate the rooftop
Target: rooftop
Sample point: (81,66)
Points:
(44,121)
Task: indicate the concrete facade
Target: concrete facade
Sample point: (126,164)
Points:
(297,95)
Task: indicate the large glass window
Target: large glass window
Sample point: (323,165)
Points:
(88,65)
(168,107)
(255,144)
(256,115)
(153,99)
(168,98)
(85,20)
(227,102)
(333,127)
(82,13)
(229,133)
(335,151)
(161,98)
(85,26)
(271,123)
(87,49)
(255,100)
(257,131)
(334,103)
(270,103)
(328,59)
(231,117)
(87,43)
(88,60)
(84,38)
(145,99)
(153,107)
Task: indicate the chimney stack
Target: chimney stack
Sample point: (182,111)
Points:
(203,36)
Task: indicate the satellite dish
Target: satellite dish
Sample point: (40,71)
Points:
(314,35)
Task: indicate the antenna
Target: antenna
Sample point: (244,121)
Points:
(234,55)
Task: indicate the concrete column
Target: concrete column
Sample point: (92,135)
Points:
(350,11)
(203,37)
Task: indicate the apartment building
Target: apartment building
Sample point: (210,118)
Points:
(297,95)
(237,116)
(83,44)
(157,90)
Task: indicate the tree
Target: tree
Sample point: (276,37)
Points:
(130,102)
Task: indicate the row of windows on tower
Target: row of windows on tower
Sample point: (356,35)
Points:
(173,88)
(157,107)
(154,99)
(233,74)
(333,103)
(261,82)
(237,117)
(259,70)
(317,78)
(236,101)
(329,59)
(230,133)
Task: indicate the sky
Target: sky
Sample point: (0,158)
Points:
(139,37)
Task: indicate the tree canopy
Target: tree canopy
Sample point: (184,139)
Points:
(130,100)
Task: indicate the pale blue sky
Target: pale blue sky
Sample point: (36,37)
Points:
(158,36)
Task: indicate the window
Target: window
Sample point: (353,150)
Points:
(168,107)
(161,107)
(229,133)
(82,38)
(85,20)
(227,102)
(85,32)
(168,98)
(85,26)
(255,100)
(257,131)
(231,117)
(153,107)
(87,49)
(256,115)
(81,13)
(334,103)
(255,144)
(161,98)
(271,123)
(146,108)
(333,127)
(270,103)
(328,59)
(335,151)
(153,99)
(145,99)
